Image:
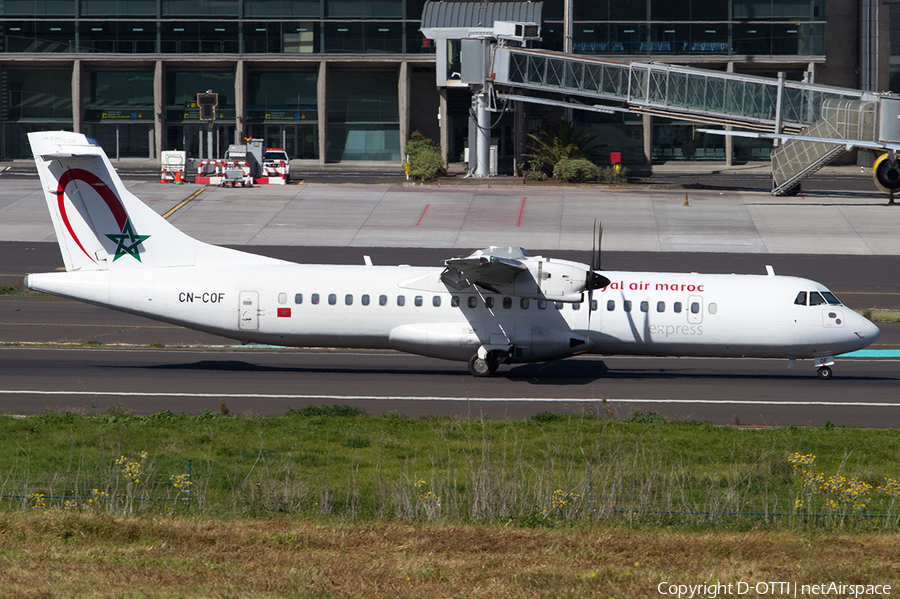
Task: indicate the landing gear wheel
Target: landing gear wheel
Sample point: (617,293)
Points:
(824,373)
(480,366)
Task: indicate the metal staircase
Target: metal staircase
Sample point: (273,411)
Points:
(796,160)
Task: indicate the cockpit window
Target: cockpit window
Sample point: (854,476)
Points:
(801,299)
(815,298)
(831,299)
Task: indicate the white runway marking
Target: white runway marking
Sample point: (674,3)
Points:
(763,402)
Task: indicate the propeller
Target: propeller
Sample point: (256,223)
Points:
(594,279)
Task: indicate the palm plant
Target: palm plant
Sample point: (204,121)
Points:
(558,140)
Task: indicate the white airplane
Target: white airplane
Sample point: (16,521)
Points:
(496,306)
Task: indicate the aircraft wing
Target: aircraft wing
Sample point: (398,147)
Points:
(489,272)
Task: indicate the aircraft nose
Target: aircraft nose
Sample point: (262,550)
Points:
(867,332)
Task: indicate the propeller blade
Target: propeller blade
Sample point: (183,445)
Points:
(596,264)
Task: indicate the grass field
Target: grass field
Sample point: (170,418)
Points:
(549,470)
(64,555)
(329,502)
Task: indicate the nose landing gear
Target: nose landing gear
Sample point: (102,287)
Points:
(824,363)
(824,373)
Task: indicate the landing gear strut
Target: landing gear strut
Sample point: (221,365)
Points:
(824,373)
(487,365)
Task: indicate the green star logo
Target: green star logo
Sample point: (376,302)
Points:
(127,242)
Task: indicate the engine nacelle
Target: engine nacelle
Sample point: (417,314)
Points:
(886,174)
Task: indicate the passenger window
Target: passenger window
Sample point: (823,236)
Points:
(472,301)
(364,300)
(713,308)
(282,298)
(401,300)
(314,298)
(507,303)
(382,300)
(576,306)
(815,299)
(418,301)
(695,308)
(594,305)
(626,305)
(676,307)
(645,306)
(454,301)
(660,306)
(524,303)
(610,305)
(436,301)
(542,304)
(801,299)
(348,299)
(559,305)
(298,298)
(332,299)
(488,302)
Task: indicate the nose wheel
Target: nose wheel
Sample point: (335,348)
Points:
(824,373)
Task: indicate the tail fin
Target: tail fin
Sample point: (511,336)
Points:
(99,224)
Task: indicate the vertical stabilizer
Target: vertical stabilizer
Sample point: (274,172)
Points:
(99,224)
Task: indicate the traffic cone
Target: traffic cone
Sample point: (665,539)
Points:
(163,177)
(178,180)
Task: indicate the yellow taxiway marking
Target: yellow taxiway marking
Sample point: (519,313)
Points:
(181,204)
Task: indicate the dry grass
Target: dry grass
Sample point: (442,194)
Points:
(58,555)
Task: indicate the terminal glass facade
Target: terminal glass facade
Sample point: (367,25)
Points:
(32,100)
(363,115)
(218,26)
(693,27)
(282,109)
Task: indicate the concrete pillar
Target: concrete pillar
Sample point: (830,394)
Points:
(403,100)
(519,141)
(483,146)
(159,106)
(240,101)
(77,97)
(322,109)
(729,140)
(444,123)
(648,139)
(568,26)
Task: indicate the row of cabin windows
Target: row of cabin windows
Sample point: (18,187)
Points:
(507,302)
(661,306)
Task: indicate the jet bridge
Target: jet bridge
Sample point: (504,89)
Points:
(763,104)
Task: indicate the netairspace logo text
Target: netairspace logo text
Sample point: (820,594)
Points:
(774,589)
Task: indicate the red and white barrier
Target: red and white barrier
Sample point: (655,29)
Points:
(212,172)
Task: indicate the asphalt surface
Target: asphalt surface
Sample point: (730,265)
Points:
(269,382)
(842,238)
(197,371)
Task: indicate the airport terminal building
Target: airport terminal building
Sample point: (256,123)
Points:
(349,80)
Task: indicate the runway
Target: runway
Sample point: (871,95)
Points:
(271,382)
(207,370)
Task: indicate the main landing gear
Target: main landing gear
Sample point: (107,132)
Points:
(486,365)
(824,373)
